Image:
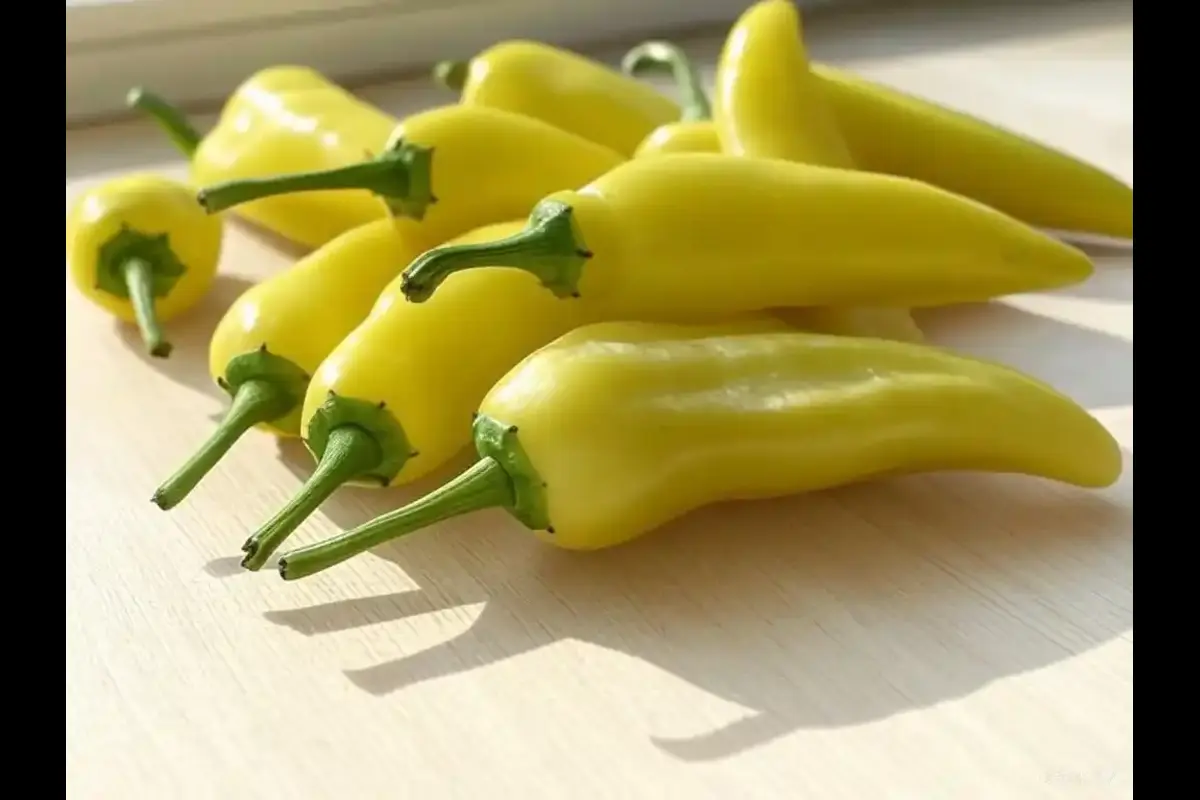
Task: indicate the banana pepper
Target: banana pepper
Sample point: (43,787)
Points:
(142,249)
(647,422)
(282,120)
(702,235)
(562,88)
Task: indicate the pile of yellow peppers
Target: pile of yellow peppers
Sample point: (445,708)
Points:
(631,306)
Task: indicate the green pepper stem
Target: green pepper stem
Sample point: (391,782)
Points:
(483,485)
(139,280)
(349,453)
(548,247)
(451,74)
(254,402)
(169,118)
(376,176)
(665,55)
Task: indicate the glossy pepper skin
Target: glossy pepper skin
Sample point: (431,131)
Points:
(562,88)
(765,102)
(896,133)
(276,334)
(391,402)
(615,429)
(284,119)
(142,249)
(727,235)
(388,405)
(452,169)
(769,106)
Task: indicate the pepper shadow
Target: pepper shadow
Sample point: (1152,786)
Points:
(190,333)
(1092,367)
(824,610)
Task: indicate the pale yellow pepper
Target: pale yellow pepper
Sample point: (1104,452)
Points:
(563,88)
(282,120)
(616,429)
(699,235)
(142,249)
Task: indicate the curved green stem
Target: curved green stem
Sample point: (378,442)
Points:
(452,74)
(548,247)
(172,121)
(350,453)
(484,485)
(256,401)
(139,281)
(400,176)
(665,55)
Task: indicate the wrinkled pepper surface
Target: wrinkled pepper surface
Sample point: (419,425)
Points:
(616,429)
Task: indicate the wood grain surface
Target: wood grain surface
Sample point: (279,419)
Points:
(950,636)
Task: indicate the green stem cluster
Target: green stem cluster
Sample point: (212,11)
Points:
(484,485)
(352,440)
(548,247)
(139,283)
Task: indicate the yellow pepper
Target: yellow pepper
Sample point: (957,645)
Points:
(562,88)
(895,133)
(142,249)
(647,422)
(277,333)
(283,120)
(766,104)
(389,403)
(452,168)
(703,236)
(386,407)
(697,133)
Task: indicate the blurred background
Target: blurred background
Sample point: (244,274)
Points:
(199,50)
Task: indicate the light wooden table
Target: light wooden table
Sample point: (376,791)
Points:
(938,637)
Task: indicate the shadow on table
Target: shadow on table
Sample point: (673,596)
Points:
(829,609)
(190,333)
(1092,367)
(826,610)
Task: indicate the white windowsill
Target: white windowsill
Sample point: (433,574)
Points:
(197,52)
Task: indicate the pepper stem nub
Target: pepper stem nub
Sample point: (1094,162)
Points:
(350,453)
(352,440)
(400,176)
(548,247)
(665,55)
(484,485)
(139,281)
(169,118)
(452,74)
(254,402)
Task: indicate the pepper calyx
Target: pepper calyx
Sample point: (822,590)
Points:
(129,244)
(549,247)
(499,441)
(372,418)
(407,187)
(287,380)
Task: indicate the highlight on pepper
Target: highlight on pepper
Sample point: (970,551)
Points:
(140,248)
(641,429)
